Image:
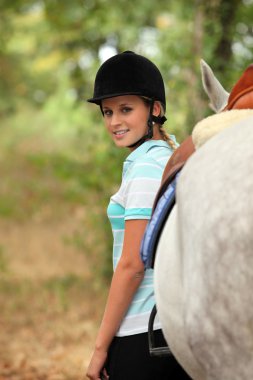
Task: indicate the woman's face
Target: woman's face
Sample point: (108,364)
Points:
(125,119)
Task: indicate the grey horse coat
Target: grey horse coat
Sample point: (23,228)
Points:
(204,262)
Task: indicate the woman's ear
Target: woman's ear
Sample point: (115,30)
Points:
(156,109)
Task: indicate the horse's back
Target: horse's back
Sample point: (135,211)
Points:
(215,210)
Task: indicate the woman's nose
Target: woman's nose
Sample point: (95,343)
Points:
(115,120)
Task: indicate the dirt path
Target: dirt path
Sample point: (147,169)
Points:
(50,308)
(55,349)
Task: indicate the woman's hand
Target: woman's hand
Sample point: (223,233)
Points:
(96,366)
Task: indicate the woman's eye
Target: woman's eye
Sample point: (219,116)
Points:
(126,109)
(107,112)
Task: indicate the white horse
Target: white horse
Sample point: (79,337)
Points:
(204,261)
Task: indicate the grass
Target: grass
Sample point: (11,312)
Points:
(56,295)
(50,172)
(55,252)
(46,164)
(3,261)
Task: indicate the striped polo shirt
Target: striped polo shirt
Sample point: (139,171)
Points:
(141,178)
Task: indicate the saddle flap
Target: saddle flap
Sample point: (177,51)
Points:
(174,165)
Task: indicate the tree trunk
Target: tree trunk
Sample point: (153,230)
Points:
(226,16)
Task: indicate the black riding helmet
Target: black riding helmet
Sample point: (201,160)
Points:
(128,73)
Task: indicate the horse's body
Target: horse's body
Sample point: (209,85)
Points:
(204,261)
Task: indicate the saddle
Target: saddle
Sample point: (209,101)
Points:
(174,165)
(163,204)
(241,97)
(164,201)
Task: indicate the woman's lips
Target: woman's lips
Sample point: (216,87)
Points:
(121,133)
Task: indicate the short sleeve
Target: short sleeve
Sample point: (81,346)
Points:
(141,184)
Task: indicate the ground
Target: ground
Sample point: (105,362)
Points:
(50,302)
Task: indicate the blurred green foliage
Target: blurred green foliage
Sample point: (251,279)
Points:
(54,149)
(56,46)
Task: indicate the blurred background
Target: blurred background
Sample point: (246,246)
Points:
(58,167)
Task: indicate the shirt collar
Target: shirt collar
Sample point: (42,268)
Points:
(144,148)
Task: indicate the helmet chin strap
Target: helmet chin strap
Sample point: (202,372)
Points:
(152,119)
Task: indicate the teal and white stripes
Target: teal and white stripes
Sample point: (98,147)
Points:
(142,172)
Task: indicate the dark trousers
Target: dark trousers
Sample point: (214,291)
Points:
(129,359)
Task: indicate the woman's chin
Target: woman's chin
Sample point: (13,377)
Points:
(125,142)
(121,144)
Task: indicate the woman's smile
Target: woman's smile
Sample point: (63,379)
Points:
(120,133)
(125,118)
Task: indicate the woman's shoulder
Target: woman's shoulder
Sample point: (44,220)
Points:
(159,154)
(152,155)
(147,166)
(152,161)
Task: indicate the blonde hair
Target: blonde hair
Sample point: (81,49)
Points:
(165,135)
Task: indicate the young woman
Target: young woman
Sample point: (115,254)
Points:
(130,92)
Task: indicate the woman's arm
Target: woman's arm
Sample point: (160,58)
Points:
(125,281)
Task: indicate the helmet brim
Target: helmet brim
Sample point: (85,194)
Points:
(97,100)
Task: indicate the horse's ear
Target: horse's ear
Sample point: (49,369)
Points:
(217,94)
